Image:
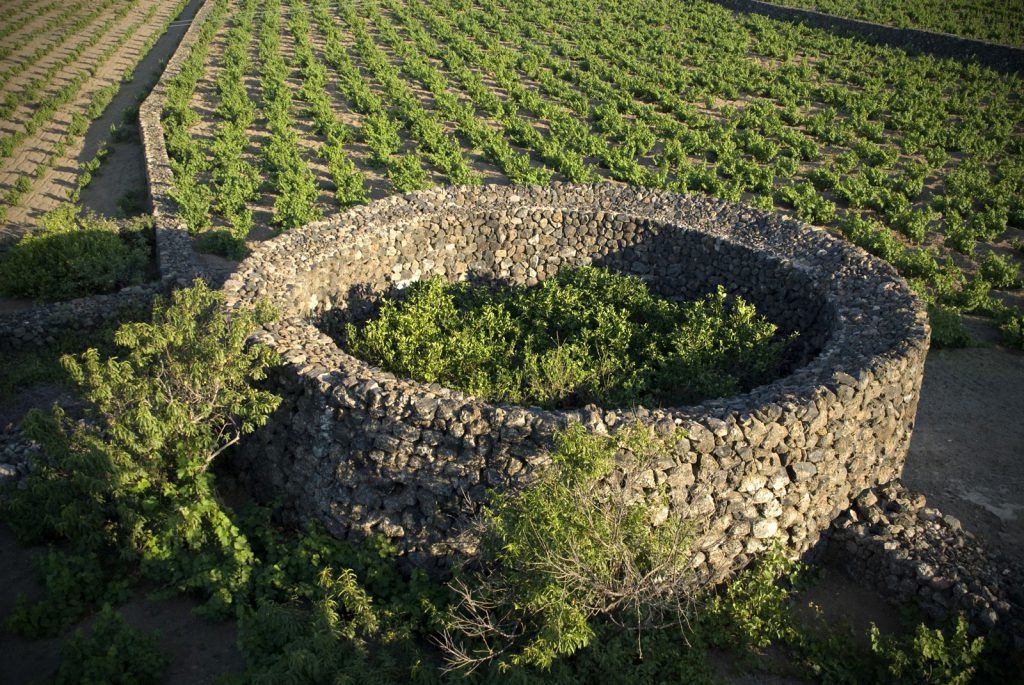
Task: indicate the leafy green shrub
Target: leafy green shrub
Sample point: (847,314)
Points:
(871,236)
(1011,325)
(960,235)
(286,642)
(1000,271)
(112,653)
(929,656)
(407,174)
(569,549)
(194,198)
(349,182)
(948,328)
(222,243)
(133,498)
(974,295)
(380,132)
(913,224)
(132,202)
(298,191)
(75,255)
(585,335)
(133,489)
(24,368)
(753,608)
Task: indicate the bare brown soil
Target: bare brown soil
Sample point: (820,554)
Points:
(967,453)
(200,651)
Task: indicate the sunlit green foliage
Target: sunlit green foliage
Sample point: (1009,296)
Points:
(570,549)
(75,255)
(585,335)
(925,153)
(930,656)
(133,488)
(599,583)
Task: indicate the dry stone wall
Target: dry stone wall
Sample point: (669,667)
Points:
(369,453)
(905,549)
(178,262)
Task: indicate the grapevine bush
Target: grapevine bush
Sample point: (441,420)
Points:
(586,335)
(77,254)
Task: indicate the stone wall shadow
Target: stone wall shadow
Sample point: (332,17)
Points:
(1003,58)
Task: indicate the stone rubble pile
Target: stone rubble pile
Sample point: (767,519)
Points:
(15,454)
(893,541)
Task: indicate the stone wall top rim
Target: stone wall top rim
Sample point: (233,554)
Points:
(843,361)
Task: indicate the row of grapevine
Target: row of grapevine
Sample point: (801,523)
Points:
(59,30)
(236,181)
(79,123)
(21,17)
(480,130)
(294,184)
(380,129)
(42,110)
(439,147)
(349,182)
(911,158)
(889,194)
(188,161)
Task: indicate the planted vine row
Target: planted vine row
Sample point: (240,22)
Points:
(915,159)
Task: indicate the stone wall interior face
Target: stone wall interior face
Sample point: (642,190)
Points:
(369,453)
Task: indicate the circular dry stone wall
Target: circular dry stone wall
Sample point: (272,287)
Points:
(372,454)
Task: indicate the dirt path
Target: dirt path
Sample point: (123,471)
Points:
(967,453)
(124,170)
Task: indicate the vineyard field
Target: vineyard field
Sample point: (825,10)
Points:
(289,110)
(254,396)
(996,21)
(61,64)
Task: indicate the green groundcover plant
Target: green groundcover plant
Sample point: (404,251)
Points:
(586,335)
(113,653)
(577,546)
(77,254)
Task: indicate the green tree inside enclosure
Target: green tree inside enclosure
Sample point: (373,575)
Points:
(585,335)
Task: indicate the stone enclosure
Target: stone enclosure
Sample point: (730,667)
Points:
(369,453)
